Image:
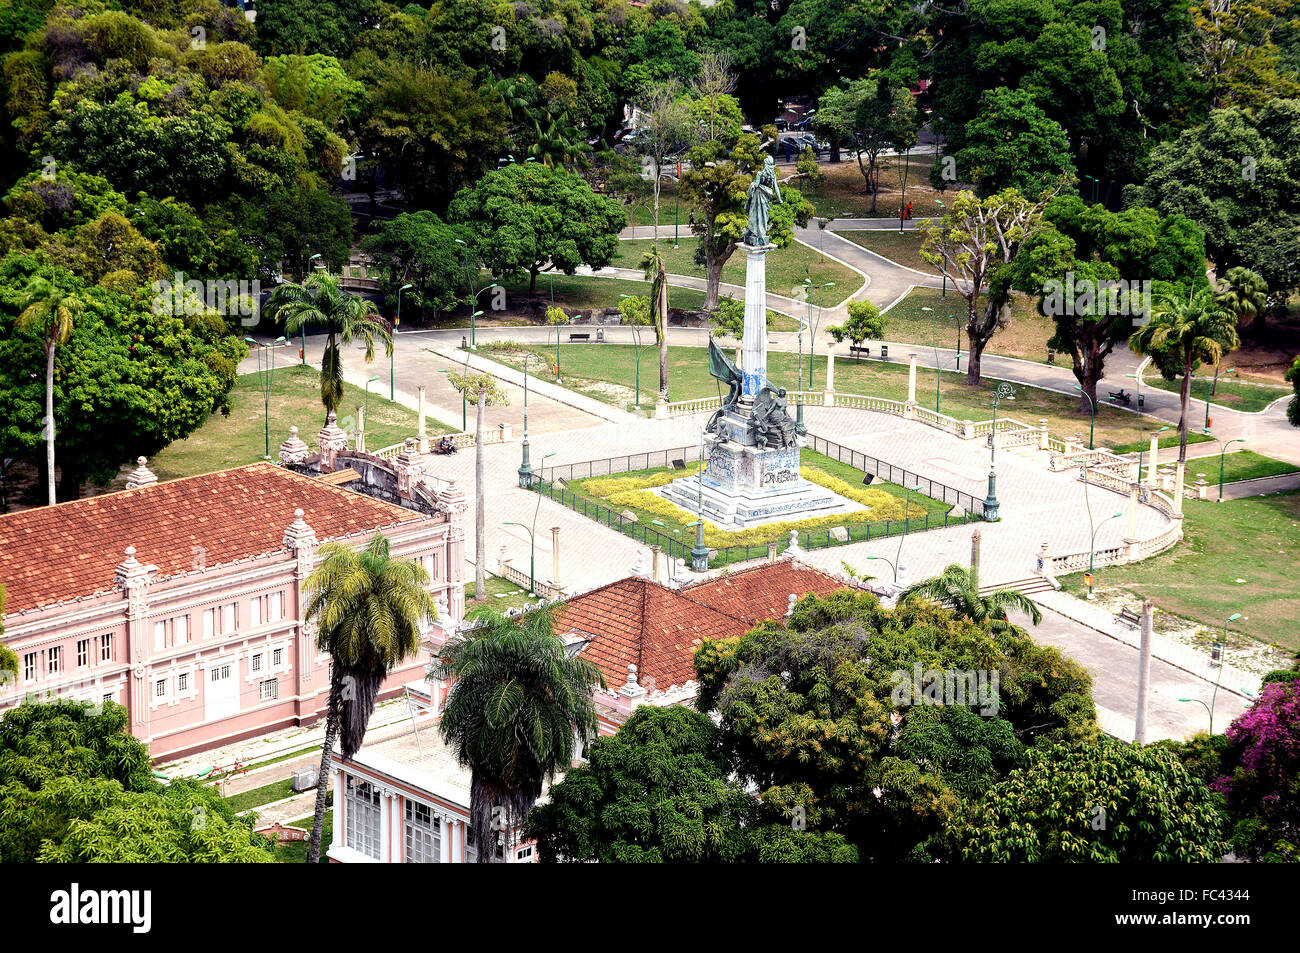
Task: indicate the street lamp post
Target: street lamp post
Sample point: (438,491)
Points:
(1213,387)
(812,336)
(525,469)
(266,378)
(1223,449)
(366,422)
(1004,390)
(1092,552)
(700,552)
(1137,376)
(891,565)
(1092,417)
(532,538)
(392,357)
(907,521)
(1218,676)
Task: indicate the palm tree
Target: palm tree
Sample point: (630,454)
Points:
(370,609)
(1245,294)
(321,301)
(486,391)
(517,705)
(957,588)
(51,313)
(1188,331)
(652,263)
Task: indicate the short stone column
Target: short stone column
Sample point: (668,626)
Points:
(1155,460)
(1131,536)
(141,475)
(410,470)
(555,557)
(330,442)
(1178,487)
(1202,486)
(506,431)
(911,378)
(422,434)
(1042,433)
(661,407)
(830,373)
(294,451)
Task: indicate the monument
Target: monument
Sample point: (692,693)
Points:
(751,444)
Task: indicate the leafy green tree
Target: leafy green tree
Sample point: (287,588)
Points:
(322,302)
(865,322)
(51,313)
(75,787)
(872,116)
(526,216)
(1102,802)
(957,588)
(1237,56)
(1013,143)
(812,716)
(1293,406)
(331,27)
(370,609)
(517,705)
(1245,294)
(1187,329)
(419,248)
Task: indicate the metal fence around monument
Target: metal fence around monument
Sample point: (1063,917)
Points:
(679,546)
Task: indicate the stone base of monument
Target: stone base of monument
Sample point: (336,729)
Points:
(748,486)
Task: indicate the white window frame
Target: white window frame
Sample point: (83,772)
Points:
(31,666)
(421,840)
(54,660)
(160,635)
(274,684)
(106,647)
(181,630)
(361,813)
(83,652)
(209,623)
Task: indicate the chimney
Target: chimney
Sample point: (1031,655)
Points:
(140,476)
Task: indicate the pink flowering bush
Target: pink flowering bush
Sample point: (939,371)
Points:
(1262,779)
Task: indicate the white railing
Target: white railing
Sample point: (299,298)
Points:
(681,408)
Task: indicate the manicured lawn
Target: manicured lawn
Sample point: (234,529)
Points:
(786,267)
(1168,440)
(267,793)
(1237,465)
(232,441)
(1239,395)
(613,367)
(923,512)
(501,594)
(902,248)
(843,192)
(295,852)
(581,292)
(1237,556)
(1025,335)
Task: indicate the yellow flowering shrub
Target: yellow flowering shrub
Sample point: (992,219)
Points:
(606,487)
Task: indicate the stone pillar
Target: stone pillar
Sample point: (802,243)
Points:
(656,552)
(140,476)
(330,441)
(361,428)
(911,378)
(1042,433)
(771,551)
(134,577)
(1144,672)
(555,557)
(830,372)
(1155,461)
(506,431)
(409,470)
(1178,487)
(754,342)
(300,540)
(421,435)
(294,451)
(1131,536)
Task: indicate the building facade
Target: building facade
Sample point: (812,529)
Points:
(184,600)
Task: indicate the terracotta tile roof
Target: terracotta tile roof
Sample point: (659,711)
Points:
(72,549)
(638,622)
(761,592)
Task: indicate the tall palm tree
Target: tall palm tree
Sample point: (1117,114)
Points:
(957,588)
(322,301)
(1187,330)
(1245,294)
(516,707)
(652,263)
(370,609)
(51,313)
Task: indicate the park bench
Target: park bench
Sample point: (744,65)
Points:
(856,351)
(1121,397)
(579,336)
(1131,616)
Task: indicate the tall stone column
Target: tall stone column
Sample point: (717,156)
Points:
(300,540)
(830,372)
(1179,475)
(754,342)
(134,577)
(1131,536)
(1155,461)
(911,378)
(555,557)
(422,435)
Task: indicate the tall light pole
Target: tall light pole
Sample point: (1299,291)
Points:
(392,357)
(1092,552)
(525,468)
(366,422)
(812,337)
(700,552)
(1218,677)
(304,327)
(889,564)
(1223,449)
(1004,390)
(532,539)
(1213,387)
(1092,418)
(474,315)
(907,521)
(1137,376)
(266,379)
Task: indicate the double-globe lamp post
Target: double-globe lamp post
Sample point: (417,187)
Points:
(1004,391)
(532,538)
(266,378)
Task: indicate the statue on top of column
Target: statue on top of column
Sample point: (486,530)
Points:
(763,192)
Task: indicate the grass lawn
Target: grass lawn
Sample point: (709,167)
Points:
(267,793)
(922,509)
(232,441)
(582,292)
(295,852)
(608,372)
(1236,556)
(1167,441)
(1025,335)
(843,191)
(902,248)
(501,594)
(786,267)
(1239,395)
(1237,465)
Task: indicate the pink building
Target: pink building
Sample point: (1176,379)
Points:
(184,600)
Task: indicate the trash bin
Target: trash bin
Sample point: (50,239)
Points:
(884,352)
(600,335)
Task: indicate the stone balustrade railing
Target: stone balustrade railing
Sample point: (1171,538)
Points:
(682,408)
